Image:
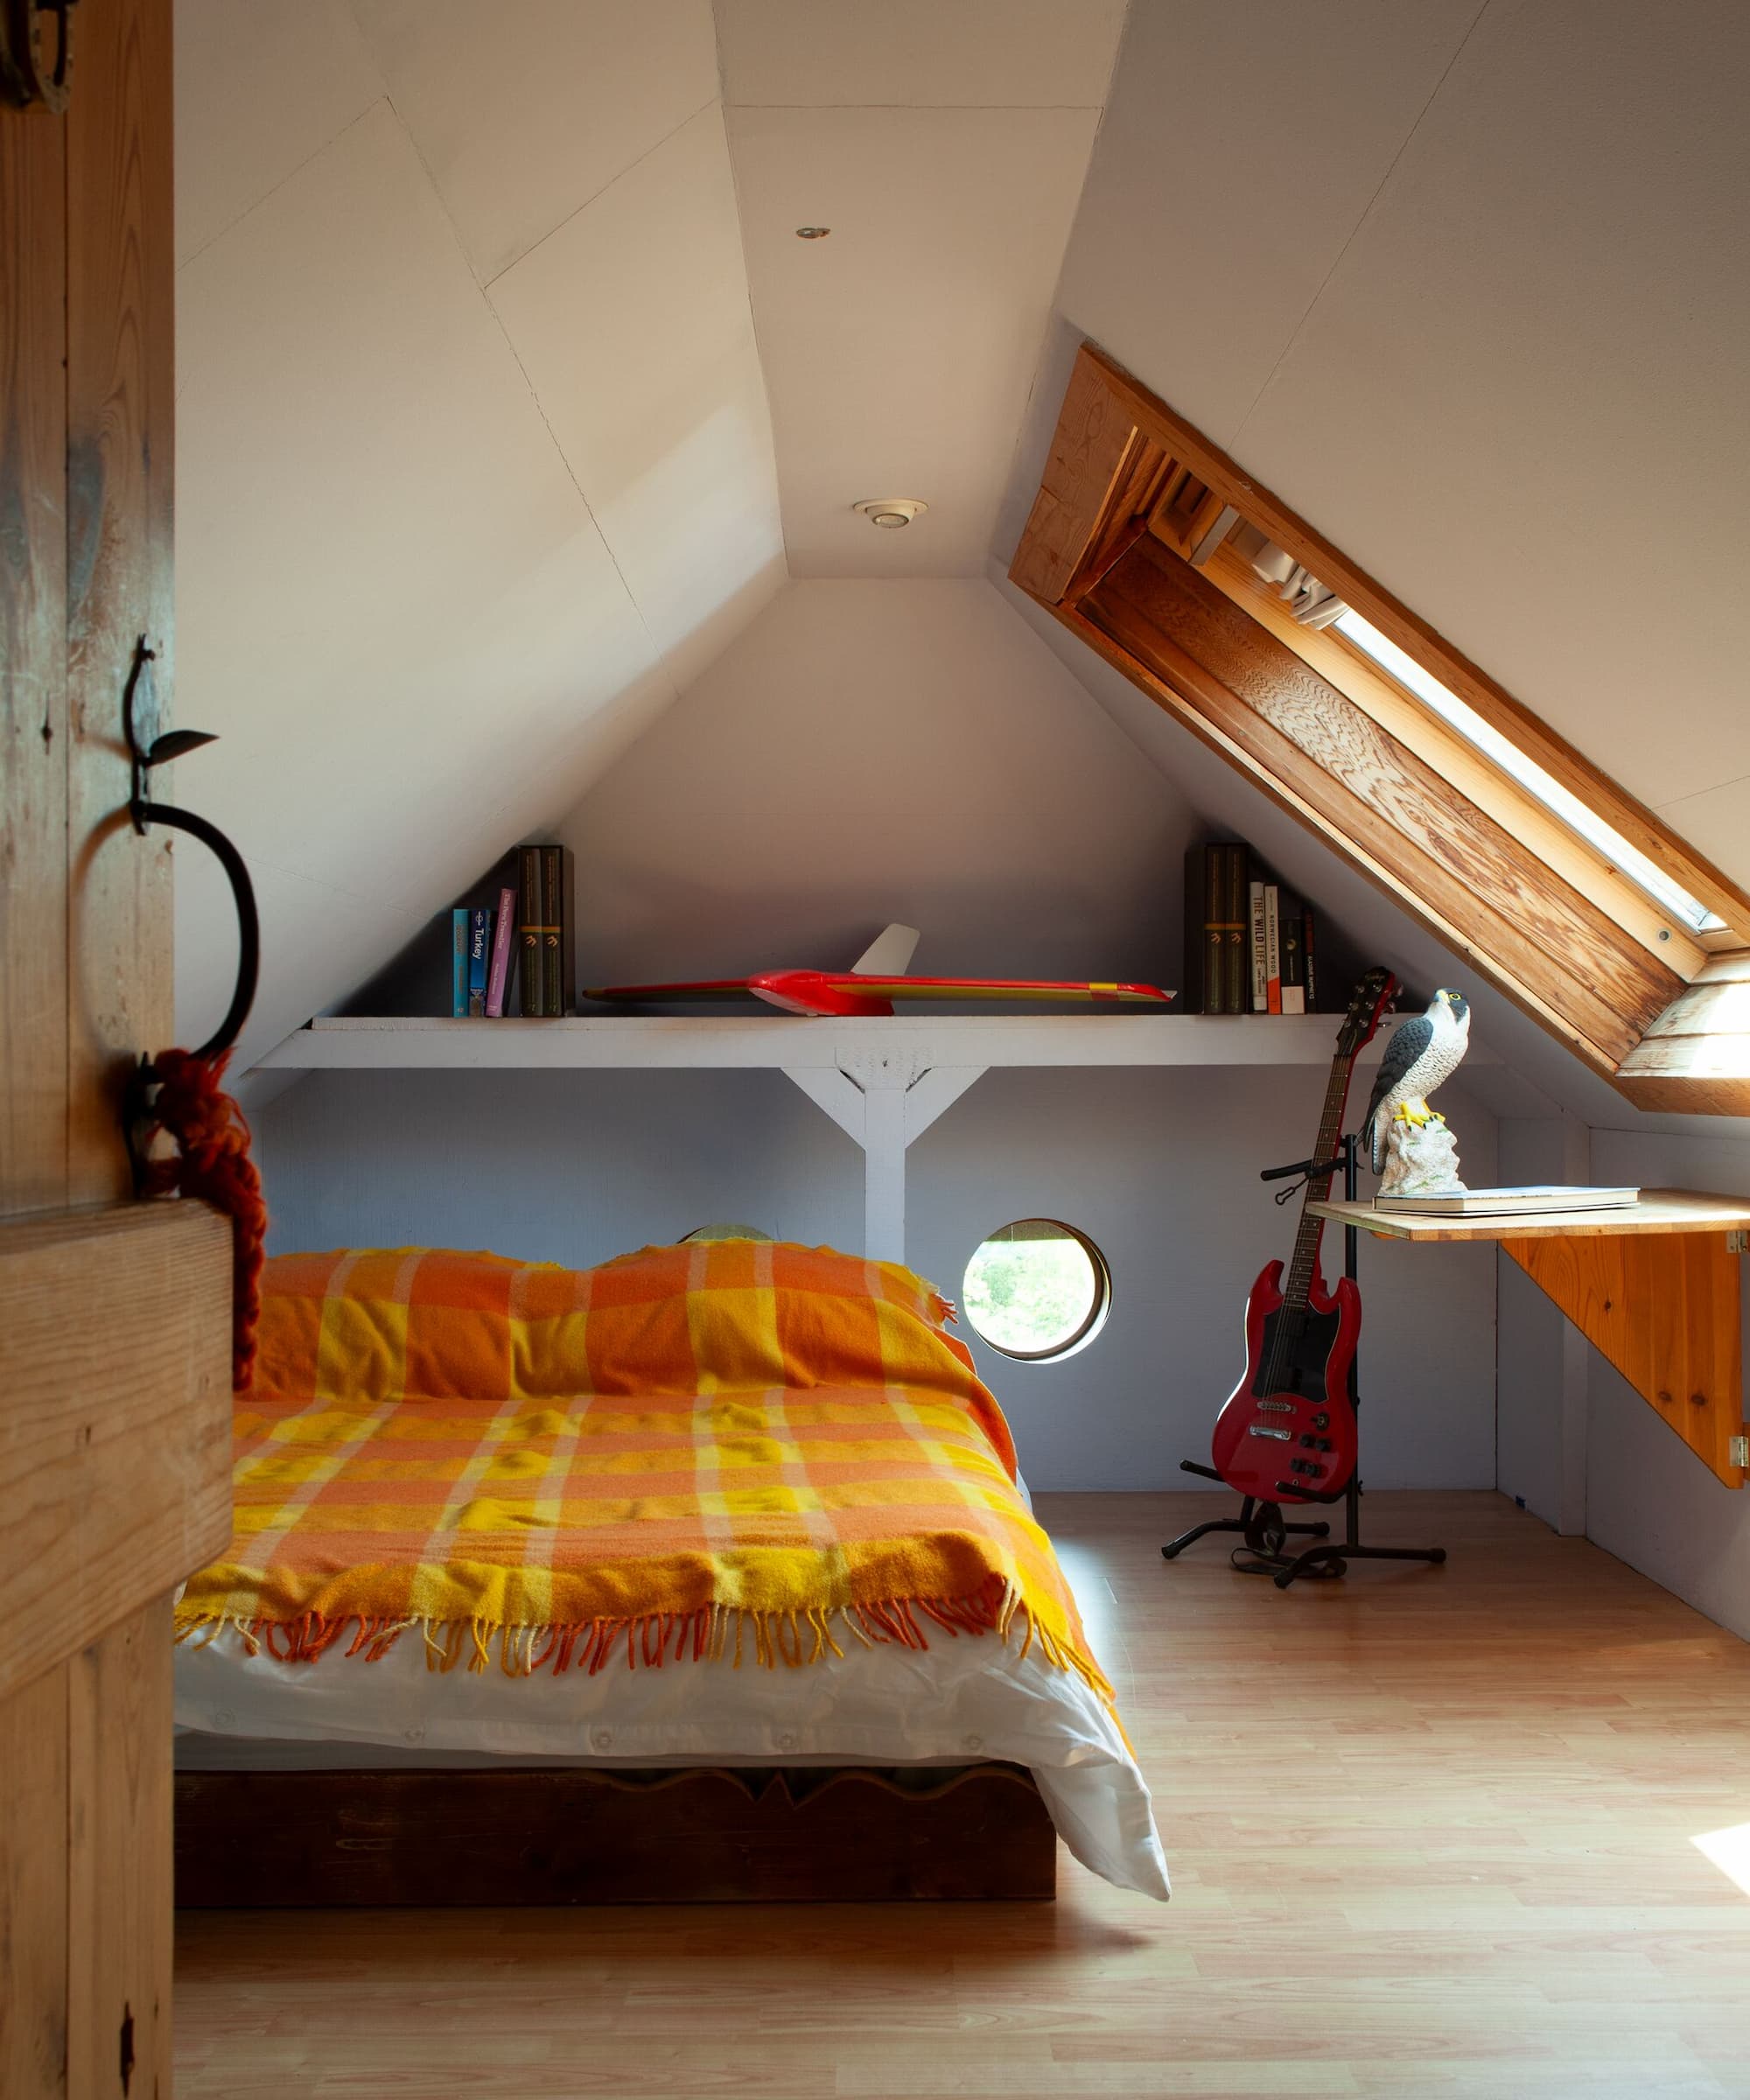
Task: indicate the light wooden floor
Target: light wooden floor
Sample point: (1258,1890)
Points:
(1430,1832)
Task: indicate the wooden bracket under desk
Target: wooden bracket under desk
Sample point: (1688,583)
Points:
(1654,1287)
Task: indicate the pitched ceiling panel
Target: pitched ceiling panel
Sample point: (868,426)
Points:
(260,89)
(868,752)
(313,937)
(1717,822)
(1520,399)
(524,114)
(631,322)
(898,352)
(972,55)
(1240,148)
(392,602)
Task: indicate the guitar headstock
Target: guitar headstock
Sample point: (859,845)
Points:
(1367,1004)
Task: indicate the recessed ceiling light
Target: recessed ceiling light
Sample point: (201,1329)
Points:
(813,233)
(890,513)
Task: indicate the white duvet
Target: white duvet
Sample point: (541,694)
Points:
(964,1700)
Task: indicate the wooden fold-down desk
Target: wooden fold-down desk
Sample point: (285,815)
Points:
(1652,1284)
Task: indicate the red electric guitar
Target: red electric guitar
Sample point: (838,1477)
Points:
(1288,1432)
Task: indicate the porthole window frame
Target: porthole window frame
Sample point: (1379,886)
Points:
(1097,1313)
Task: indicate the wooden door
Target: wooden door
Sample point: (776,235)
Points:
(114,1315)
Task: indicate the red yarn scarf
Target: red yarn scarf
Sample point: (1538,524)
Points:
(212,1165)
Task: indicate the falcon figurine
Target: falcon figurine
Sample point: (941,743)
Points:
(1420,1056)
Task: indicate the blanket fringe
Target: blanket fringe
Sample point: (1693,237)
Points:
(712,1634)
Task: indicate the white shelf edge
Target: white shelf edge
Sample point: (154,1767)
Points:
(783,1042)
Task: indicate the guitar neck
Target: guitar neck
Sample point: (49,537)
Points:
(1304,1265)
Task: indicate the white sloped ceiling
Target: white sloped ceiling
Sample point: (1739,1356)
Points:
(944,148)
(479,315)
(474,462)
(1464,282)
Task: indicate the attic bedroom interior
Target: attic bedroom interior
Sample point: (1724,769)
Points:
(876,984)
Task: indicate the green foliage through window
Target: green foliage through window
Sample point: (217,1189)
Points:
(1033,1289)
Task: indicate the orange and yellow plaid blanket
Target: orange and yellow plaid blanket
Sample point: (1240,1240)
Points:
(692,1451)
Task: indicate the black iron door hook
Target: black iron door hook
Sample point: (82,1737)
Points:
(28,73)
(148,748)
(138,712)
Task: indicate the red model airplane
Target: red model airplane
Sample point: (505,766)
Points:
(874,981)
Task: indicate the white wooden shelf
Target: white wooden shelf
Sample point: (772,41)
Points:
(784,1042)
(883,1080)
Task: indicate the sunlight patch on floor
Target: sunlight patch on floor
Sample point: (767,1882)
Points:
(1729,1850)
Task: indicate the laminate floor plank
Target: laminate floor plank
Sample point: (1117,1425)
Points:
(1431,1833)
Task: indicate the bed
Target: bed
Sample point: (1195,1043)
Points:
(704,1573)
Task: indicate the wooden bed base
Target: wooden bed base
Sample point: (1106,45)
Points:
(273,1840)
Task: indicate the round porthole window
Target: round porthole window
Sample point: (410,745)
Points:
(1036,1290)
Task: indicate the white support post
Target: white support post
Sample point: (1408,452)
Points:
(883,1102)
(884,1175)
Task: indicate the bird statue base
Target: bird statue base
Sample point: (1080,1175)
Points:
(1421,1158)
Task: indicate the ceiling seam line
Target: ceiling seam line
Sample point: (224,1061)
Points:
(596,196)
(659,653)
(1691,794)
(291,175)
(1365,213)
(483,292)
(758,345)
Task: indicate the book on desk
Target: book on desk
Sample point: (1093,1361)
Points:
(1507,1202)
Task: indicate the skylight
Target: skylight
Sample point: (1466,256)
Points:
(1628,860)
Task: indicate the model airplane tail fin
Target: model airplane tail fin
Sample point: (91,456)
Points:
(889,954)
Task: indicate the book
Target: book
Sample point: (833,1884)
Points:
(1235,930)
(1248,940)
(530,966)
(458,962)
(480,950)
(503,947)
(1512,1202)
(558,937)
(1272,948)
(1293,927)
(1211,944)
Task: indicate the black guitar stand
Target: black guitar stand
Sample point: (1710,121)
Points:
(1260,1523)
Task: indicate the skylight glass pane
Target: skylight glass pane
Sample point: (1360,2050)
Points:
(1530,775)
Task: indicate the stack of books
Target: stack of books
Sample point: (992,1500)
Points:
(1250,942)
(515,958)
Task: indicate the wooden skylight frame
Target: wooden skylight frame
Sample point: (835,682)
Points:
(1128,546)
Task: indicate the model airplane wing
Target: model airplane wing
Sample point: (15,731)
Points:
(873,982)
(866,990)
